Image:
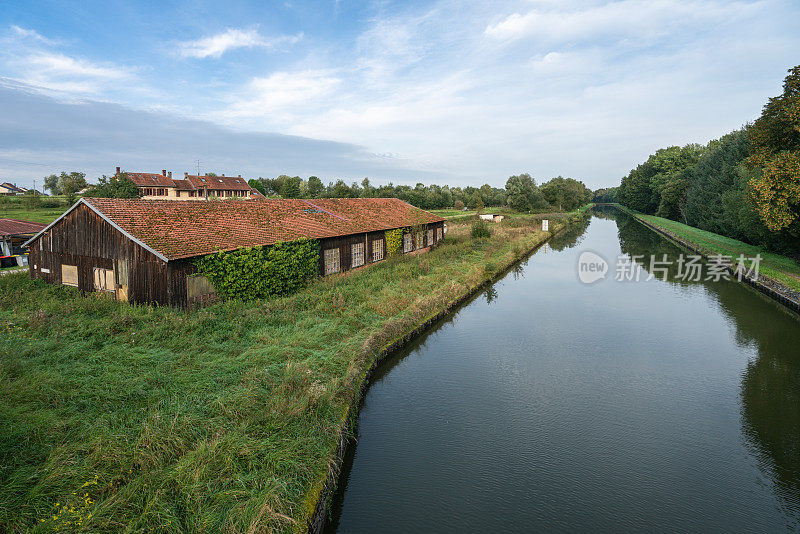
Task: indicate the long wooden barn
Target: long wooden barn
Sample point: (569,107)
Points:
(144,251)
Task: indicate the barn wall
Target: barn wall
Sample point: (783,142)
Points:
(344,244)
(87,240)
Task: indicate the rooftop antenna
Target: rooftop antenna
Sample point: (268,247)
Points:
(205,186)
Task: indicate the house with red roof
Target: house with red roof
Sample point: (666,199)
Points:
(144,251)
(154,186)
(13,233)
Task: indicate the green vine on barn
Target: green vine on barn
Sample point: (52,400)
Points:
(262,272)
(394,240)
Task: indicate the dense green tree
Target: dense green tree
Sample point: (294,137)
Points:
(291,186)
(258,185)
(315,187)
(642,188)
(339,190)
(115,186)
(566,193)
(51,184)
(709,188)
(66,183)
(523,194)
(775,158)
(70,183)
(608,194)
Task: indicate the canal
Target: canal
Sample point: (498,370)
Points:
(549,405)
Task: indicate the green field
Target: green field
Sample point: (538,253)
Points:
(131,418)
(781,268)
(50,208)
(506,212)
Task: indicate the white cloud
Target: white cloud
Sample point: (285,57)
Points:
(31,34)
(28,58)
(615,20)
(275,100)
(216,45)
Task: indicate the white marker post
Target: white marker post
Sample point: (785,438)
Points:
(545,225)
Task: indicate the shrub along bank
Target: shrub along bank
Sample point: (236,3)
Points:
(224,419)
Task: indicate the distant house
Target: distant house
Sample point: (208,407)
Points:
(144,250)
(491,217)
(13,233)
(9,189)
(153,186)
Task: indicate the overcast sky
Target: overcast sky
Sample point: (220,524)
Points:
(448,92)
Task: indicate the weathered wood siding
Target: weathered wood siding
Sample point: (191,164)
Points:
(344,244)
(84,239)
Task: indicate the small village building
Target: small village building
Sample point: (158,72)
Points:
(491,217)
(9,189)
(144,251)
(154,186)
(13,234)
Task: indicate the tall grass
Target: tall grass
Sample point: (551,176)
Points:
(130,418)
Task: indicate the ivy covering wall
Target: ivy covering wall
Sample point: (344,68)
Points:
(261,272)
(394,240)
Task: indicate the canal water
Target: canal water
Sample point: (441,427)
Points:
(549,405)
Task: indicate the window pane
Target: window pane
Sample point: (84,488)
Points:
(357,255)
(332,261)
(377,250)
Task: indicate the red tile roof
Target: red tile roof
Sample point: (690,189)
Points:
(190,182)
(185,229)
(218,182)
(149,179)
(19,227)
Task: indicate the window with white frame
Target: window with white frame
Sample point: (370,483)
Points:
(331,260)
(357,255)
(438,234)
(377,250)
(407,246)
(420,238)
(430,236)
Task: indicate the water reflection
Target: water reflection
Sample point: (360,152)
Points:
(770,388)
(490,294)
(640,243)
(572,236)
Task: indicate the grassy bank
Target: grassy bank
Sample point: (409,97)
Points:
(780,268)
(120,417)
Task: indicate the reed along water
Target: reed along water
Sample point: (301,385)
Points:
(549,405)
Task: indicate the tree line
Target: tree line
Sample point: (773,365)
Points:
(521,192)
(745,185)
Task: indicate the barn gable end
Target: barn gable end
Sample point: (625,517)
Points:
(84,249)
